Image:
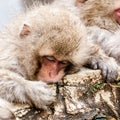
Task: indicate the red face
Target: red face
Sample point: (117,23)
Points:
(51,70)
(117,15)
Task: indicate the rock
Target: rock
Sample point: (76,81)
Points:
(80,96)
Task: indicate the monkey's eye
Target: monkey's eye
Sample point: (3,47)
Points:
(50,58)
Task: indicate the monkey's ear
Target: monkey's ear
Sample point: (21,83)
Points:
(25,31)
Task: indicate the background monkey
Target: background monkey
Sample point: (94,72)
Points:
(109,42)
(29,3)
(102,13)
(103,21)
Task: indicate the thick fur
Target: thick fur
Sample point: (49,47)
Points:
(53,32)
(99,13)
(29,3)
(6,110)
(93,13)
(67,4)
(103,29)
(109,42)
(102,26)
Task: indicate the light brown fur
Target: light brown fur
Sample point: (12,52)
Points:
(99,13)
(45,31)
(21,49)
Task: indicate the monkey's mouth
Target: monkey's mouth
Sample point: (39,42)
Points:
(51,78)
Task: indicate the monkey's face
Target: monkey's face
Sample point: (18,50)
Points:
(51,70)
(58,43)
(57,56)
(55,62)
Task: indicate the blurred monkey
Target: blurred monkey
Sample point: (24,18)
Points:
(29,3)
(102,17)
(102,13)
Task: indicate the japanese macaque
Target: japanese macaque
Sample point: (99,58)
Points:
(102,17)
(43,45)
(37,46)
(109,42)
(102,13)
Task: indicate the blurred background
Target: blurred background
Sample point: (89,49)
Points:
(10,8)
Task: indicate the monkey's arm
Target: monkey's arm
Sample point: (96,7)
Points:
(15,88)
(109,42)
(99,40)
(108,65)
(98,35)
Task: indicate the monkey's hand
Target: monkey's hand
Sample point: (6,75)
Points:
(15,88)
(38,94)
(108,67)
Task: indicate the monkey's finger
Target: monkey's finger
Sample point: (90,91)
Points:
(104,73)
(112,76)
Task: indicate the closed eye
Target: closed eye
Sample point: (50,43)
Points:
(50,58)
(64,62)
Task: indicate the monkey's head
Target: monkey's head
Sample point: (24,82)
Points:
(59,44)
(103,13)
